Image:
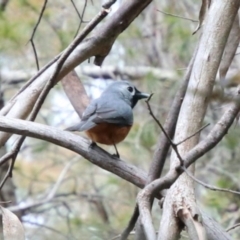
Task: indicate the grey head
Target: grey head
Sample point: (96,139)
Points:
(126,91)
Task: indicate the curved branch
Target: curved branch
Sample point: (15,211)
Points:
(78,144)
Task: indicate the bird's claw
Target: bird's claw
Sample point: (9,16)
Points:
(92,145)
(116,155)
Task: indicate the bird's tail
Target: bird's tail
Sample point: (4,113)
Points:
(74,128)
(82,126)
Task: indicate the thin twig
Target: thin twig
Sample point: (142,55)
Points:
(119,236)
(42,70)
(34,31)
(177,16)
(31,80)
(46,227)
(234,226)
(131,224)
(192,135)
(5,202)
(79,15)
(8,173)
(12,153)
(174,146)
(213,188)
(60,179)
(157,121)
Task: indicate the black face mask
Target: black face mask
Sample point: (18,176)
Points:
(137,96)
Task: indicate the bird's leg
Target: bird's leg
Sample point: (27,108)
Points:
(117,153)
(92,144)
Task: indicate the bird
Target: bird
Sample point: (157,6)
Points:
(109,118)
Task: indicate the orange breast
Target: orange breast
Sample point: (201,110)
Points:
(108,133)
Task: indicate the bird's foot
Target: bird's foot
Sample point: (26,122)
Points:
(116,155)
(92,145)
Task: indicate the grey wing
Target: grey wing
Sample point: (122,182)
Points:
(117,113)
(90,110)
(86,122)
(103,111)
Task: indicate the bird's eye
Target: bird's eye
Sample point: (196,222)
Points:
(130,89)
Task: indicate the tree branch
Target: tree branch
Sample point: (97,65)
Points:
(34,30)
(213,188)
(76,143)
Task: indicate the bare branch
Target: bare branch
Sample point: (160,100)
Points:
(202,14)
(79,15)
(131,224)
(234,226)
(192,135)
(215,135)
(63,58)
(173,145)
(47,227)
(34,31)
(177,16)
(230,48)
(60,179)
(213,229)
(8,173)
(78,144)
(163,144)
(213,188)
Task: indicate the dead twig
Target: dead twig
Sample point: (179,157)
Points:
(213,188)
(131,224)
(34,31)
(173,145)
(79,15)
(192,135)
(177,16)
(234,226)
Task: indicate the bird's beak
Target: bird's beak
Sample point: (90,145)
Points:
(141,95)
